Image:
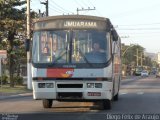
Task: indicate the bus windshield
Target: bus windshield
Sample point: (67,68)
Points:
(70,47)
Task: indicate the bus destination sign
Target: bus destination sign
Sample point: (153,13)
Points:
(80,24)
(67,24)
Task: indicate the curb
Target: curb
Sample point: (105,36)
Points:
(131,78)
(2,97)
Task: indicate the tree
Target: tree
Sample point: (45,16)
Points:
(12,22)
(130,55)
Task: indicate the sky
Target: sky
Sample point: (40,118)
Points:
(136,21)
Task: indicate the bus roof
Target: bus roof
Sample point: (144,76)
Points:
(72,21)
(71,17)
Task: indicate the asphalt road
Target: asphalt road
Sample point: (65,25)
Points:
(138,98)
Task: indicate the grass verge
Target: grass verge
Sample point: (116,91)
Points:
(16,89)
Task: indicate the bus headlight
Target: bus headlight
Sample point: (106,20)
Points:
(94,85)
(41,85)
(49,85)
(45,85)
(90,85)
(98,85)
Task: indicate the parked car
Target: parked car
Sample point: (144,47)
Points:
(157,74)
(138,70)
(144,73)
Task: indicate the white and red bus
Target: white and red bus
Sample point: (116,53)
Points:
(65,64)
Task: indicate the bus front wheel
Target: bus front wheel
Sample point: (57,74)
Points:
(116,97)
(105,104)
(47,103)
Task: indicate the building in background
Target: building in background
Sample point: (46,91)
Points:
(158,60)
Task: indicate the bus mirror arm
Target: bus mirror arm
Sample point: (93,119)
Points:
(113,54)
(27,45)
(114,34)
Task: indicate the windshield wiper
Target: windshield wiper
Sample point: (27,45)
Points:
(62,53)
(84,57)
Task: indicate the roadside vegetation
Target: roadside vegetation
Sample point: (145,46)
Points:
(19,86)
(12,39)
(17,89)
(133,56)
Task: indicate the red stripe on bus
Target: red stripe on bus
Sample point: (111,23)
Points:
(60,73)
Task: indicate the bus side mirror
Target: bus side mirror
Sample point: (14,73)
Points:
(27,45)
(114,34)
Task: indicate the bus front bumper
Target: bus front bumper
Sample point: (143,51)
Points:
(72,91)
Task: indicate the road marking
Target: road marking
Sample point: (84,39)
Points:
(123,93)
(140,93)
(25,94)
(13,95)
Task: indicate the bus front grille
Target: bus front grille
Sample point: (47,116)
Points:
(69,85)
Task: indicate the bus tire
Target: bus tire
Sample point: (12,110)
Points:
(116,97)
(47,103)
(105,105)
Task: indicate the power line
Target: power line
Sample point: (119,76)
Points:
(78,3)
(98,12)
(138,28)
(60,7)
(141,24)
(137,11)
(141,33)
(85,3)
(56,8)
(91,3)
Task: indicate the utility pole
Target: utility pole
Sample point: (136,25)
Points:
(41,14)
(46,4)
(137,56)
(141,59)
(29,80)
(82,9)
